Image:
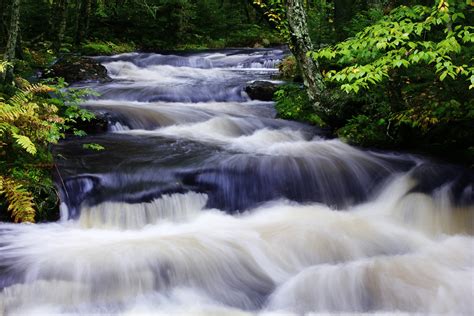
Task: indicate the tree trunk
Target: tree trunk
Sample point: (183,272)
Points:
(3,23)
(300,46)
(19,47)
(61,11)
(13,31)
(77,22)
(87,5)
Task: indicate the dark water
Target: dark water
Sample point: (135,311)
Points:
(203,203)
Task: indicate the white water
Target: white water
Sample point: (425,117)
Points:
(305,258)
(402,251)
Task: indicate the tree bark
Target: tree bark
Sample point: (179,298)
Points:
(87,17)
(300,46)
(3,23)
(77,23)
(13,31)
(61,11)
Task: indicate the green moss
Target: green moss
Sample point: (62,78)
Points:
(106,48)
(292,103)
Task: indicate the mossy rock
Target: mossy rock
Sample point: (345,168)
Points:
(76,69)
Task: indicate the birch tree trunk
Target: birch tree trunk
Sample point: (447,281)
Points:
(300,46)
(13,31)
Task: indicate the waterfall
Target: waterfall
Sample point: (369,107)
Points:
(204,203)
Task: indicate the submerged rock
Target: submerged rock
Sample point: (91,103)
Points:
(75,69)
(261,90)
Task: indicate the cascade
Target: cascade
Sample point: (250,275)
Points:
(204,203)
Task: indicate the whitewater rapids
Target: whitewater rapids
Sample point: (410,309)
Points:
(204,204)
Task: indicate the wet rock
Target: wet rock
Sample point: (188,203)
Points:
(261,90)
(99,124)
(75,69)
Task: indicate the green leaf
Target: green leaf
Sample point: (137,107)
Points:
(93,146)
(443,76)
(25,143)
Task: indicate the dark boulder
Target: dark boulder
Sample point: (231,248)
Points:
(261,90)
(75,69)
(97,125)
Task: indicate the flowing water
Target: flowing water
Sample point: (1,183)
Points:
(204,203)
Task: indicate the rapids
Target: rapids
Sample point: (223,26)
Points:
(204,203)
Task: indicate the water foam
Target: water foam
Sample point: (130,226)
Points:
(281,257)
(115,215)
(406,250)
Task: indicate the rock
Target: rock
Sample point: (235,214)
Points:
(99,124)
(74,69)
(261,90)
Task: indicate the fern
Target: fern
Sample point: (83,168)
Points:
(3,65)
(28,123)
(25,143)
(20,201)
(37,89)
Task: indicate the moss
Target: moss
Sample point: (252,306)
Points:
(106,48)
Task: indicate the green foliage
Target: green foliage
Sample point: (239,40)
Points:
(321,22)
(182,24)
(409,36)
(3,66)
(93,146)
(31,119)
(364,130)
(416,63)
(363,19)
(152,24)
(275,12)
(292,103)
(106,48)
(20,201)
(251,35)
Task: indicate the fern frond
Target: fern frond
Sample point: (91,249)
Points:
(19,200)
(25,143)
(37,88)
(3,65)
(8,112)
(18,99)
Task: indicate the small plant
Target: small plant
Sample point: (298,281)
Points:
(93,146)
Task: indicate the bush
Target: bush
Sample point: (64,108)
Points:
(365,131)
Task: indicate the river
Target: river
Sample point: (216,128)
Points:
(204,203)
